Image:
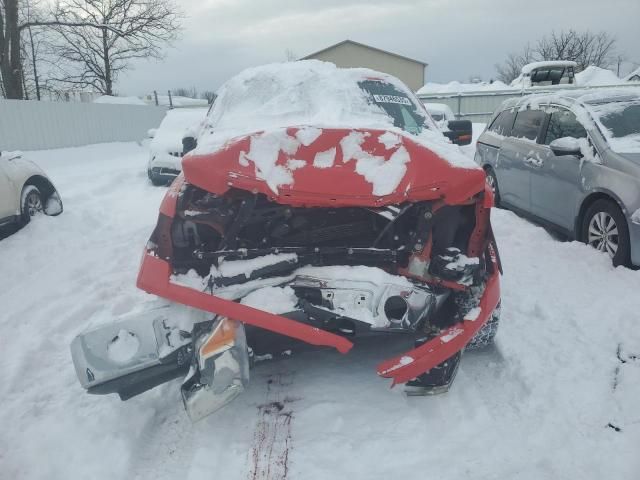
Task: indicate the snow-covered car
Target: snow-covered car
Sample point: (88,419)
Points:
(25,190)
(441,113)
(166,149)
(571,160)
(320,204)
(459,132)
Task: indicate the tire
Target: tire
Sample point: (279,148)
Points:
(487,333)
(605,228)
(31,203)
(155,180)
(492,180)
(466,301)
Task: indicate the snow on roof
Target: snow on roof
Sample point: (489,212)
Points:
(593,76)
(119,100)
(529,67)
(457,87)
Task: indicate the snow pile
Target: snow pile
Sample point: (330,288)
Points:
(325,159)
(109,99)
(458,87)
(593,76)
(384,175)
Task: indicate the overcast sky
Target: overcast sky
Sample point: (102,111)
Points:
(458,39)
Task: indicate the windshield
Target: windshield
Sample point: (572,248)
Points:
(406,113)
(620,123)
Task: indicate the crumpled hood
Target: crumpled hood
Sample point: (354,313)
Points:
(334,166)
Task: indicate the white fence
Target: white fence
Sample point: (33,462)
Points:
(479,106)
(32,125)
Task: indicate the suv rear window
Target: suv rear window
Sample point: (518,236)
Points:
(527,124)
(503,123)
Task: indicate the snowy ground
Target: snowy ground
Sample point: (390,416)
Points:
(535,406)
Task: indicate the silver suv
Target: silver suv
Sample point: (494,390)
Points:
(571,160)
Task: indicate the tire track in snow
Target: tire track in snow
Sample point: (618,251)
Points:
(272,441)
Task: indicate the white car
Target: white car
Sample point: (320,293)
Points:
(440,112)
(25,190)
(166,150)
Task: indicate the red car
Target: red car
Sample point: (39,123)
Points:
(319,204)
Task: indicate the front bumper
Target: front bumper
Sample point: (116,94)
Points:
(154,277)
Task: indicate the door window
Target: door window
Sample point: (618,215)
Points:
(563,123)
(503,123)
(528,123)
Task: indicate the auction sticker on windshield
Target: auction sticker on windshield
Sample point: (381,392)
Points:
(392,99)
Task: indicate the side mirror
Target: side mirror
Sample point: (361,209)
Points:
(460,132)
(565,146)
(188,144)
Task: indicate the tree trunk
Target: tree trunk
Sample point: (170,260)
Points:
(10,63)
(35,69)
(108,82)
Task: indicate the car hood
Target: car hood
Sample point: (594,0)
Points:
(334,166)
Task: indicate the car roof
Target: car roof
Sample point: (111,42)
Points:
(578,97)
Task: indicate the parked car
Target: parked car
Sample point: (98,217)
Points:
(25,190)
(166,149)
(320,204)
(441,113)
(571,160)
(459,132)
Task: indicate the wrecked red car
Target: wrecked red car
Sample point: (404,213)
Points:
(319,204)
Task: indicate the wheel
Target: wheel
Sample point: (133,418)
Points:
(492,181)
(487,333)
(155,180)
(605,229)
(466,301)
(31,203)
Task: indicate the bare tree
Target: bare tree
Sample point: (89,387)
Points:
(585,48)
(510,69)
(108,36)
(10,59)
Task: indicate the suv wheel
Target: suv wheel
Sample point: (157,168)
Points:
(605,229)
(31,203)
(492,181)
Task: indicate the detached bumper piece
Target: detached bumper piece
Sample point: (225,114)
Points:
(141,352)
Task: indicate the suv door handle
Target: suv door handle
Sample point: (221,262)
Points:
(534,162)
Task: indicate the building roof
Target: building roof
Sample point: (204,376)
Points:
(312,55)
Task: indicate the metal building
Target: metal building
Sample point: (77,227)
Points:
(353,54)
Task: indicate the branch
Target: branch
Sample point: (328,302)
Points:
(55,23)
